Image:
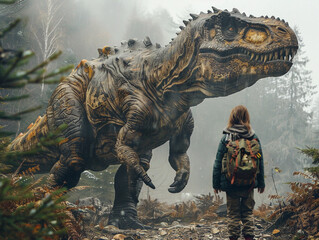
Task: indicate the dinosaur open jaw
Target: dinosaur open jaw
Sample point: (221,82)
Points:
(285,54)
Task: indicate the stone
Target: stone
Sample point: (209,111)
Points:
(102,238)
(163,233)
(164,224)
(175,223)
(112,229)
(90,201)
(215,230)
(222,210)
(119,237)
(193,228)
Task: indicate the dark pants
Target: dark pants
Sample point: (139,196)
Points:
(240,205)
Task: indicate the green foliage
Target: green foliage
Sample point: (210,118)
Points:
(314,154)
(27,211)
(26,214)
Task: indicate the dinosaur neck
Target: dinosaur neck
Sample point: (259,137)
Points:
(174,71)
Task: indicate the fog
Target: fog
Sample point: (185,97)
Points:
(88,25)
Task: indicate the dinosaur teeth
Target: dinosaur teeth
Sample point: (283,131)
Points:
(252,56)
(286,54)
(287,50)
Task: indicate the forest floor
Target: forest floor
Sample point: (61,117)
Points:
(213,230)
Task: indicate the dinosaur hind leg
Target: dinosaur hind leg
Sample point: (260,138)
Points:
(124,214)
(68,109)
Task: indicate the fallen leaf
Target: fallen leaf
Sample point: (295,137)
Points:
(275,231)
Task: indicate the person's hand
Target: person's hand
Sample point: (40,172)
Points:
(261,190)
(216,190)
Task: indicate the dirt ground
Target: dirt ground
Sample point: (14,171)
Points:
(215,230)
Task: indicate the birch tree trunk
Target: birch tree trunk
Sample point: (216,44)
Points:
(48,35)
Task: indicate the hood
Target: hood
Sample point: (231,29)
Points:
(238,131)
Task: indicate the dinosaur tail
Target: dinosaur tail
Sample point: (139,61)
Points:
(26,142)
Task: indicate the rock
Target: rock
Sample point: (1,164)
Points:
(174,227)
(215,230)
(175,223)
(266,236)
(112,229)
(164,224)
(209,236)
(222,210)
(102,238)
(90,201)
(163,233)
(119,237)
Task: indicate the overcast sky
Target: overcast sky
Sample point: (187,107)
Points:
(303,14)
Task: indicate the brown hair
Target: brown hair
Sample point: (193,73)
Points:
(239,115)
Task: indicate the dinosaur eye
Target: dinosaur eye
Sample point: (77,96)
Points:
(229,30)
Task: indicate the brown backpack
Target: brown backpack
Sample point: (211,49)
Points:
(241,162)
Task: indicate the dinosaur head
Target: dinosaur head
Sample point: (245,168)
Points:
(232,51)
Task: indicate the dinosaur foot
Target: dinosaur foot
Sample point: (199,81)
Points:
(126,219)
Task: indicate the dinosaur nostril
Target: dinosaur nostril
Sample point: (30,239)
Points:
(281,30)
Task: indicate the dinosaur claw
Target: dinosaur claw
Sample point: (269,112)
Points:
(174,184)
(147,180)
(151,185)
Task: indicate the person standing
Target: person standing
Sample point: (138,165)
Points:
(238,169)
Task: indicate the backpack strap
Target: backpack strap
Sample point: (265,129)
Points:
(236,166)
(254,156)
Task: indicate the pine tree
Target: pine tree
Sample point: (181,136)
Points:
(26,212)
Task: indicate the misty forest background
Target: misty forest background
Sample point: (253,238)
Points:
(284,111)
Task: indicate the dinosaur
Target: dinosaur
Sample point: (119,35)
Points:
(134,98)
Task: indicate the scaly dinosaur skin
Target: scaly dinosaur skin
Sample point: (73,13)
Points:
(132,99)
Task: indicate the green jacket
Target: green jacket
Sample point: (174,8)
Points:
(219,179)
